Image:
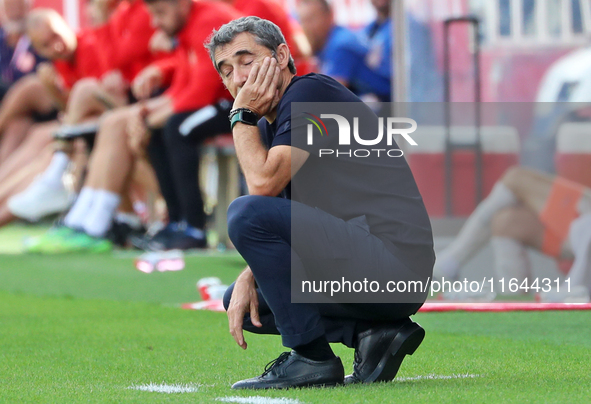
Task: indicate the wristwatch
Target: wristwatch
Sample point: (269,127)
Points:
(244,115)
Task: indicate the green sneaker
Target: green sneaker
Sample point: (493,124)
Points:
(63,240)
(82,242)
(46,243)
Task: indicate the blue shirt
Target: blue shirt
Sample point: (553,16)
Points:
(343,58)
(378,38)
(425,83)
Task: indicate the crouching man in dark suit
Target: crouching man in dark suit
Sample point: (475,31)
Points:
(317,211)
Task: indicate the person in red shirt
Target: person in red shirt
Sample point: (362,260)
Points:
(40,94)
(74,56)
(126,38)
(112,54)
(118,48)
(123,50)
(28,99)
(17,60)
(198,109)
(94,78)
(194,106)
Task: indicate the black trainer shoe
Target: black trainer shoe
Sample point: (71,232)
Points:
(157,235)
(293,370)
(379,351)
(121,234)
(179,240)
(174,236)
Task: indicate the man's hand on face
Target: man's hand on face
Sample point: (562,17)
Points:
(260,93)
(244,300)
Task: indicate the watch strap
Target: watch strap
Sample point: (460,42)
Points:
(243,115)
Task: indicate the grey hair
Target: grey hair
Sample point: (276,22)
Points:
(265,32)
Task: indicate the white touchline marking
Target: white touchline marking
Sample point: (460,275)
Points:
(436,377)
(258,400)
(167,388)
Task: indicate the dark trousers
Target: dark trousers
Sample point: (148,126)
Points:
(174,153)
(261,229)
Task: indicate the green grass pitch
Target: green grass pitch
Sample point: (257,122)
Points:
(84,329)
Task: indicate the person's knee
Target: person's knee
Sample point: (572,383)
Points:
(41,135)
(109,138)
(17,129)
(84,88)
(514,176)
(30,83)
(503,221)
(111,125)
(115,117)
(242,214)
(517,223)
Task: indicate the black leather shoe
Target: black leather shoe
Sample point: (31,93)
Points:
(293,370)
(379,351)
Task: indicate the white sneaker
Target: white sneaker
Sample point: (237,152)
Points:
(577,294)
(39,200)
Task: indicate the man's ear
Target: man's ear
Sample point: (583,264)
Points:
(283,55)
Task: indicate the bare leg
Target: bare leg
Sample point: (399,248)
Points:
(518,186)
(48,194)
(79,162)
(520,224)
(111,161)
(82,102)
(5,216)
(13,136)
(23,177)
(39,138)
(144,178)
(109,173)
(126,204)
(532,188)
(81,105)
(145,187)
(25,97)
